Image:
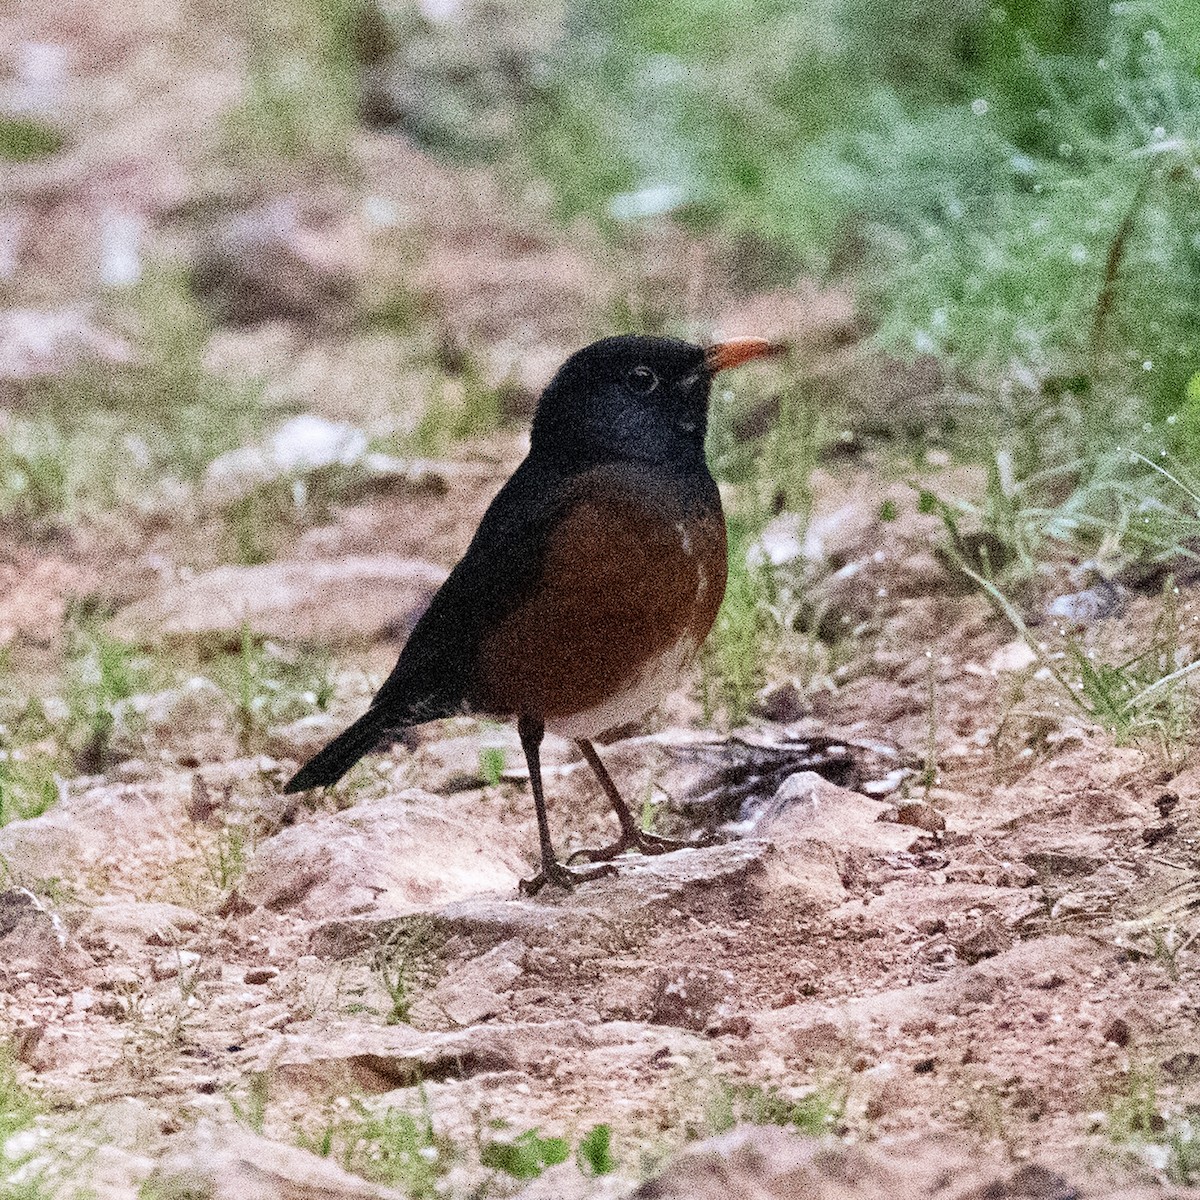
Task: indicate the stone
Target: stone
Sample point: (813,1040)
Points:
(393,856)
(780,543)
(36,344)
(227,1162)
(1012,658)
(624,908)
(300,739)
(197,717)
(1105,599)
(280,260)
(1030,1182)
(849,532)
(919,816)
(1118,1031)
(331,603)
(308,448)
(807,811)
(457,87)
(479,988)
(567,1182)
(449,764)
(766,1163)
(301,446)
(103,831)
(128,923)
(377,1060)
(34,939)
(691,997)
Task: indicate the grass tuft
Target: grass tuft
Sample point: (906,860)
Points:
(392,1147)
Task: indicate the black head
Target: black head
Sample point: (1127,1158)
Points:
(632,397)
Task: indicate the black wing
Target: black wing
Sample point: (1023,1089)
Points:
(436,668)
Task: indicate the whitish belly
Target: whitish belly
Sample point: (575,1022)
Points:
(658,677)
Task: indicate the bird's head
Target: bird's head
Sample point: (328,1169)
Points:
(634,397)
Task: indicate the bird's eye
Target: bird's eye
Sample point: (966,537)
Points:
(643,380)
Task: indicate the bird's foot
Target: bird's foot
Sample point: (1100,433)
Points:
(647,843)
(556,873)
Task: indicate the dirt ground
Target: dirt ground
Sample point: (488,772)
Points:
(950,942)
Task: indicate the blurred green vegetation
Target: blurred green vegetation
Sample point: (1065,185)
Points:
(23,139)
(301,91)
(1010,187)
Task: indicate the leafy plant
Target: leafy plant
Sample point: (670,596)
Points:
(491,764)
(252,1110)
(17,1106)
(525,1156)
(594,1152)
(1137,1118)
(225,860)
(19,1180)
(300,101)
(733,660)
(28,782)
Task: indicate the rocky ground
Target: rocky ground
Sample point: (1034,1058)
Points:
(947,946)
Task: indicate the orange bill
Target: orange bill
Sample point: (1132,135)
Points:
(736,351)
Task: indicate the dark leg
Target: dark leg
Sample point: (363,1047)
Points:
(632,833)
(531,732)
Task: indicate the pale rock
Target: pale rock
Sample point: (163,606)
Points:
(108,827)
(38,344)
(840,536)
(691,997)
(619,910)
(766,1163)
(331,603)
(130,923)
(227,1162)
(34,939)
(567,1182)
(115,1173)
(300,739)
(300,446)
(378,1060)
(782,541)
(1012,657)
(1103,599)
(284,259)
(197,715)
(455,764)
(394,856)
(481,986)
(812,823)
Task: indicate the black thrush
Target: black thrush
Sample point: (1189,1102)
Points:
(593,578)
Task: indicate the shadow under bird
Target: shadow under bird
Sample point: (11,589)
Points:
(590,584)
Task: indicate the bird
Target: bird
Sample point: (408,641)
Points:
(592,580)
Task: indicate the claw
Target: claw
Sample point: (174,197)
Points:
(561,876)
(647,843)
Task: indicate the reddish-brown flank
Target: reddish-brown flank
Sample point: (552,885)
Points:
(622,583)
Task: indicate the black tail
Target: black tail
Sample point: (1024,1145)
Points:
(329,765)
